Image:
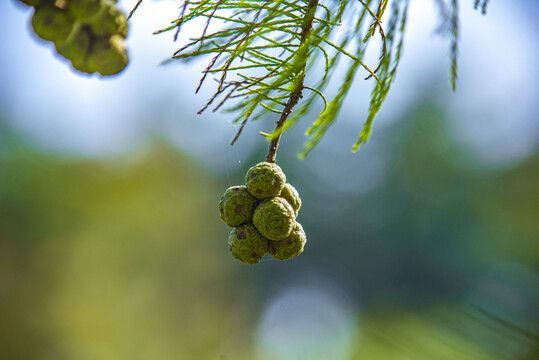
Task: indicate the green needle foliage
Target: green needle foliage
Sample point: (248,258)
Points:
(269,56)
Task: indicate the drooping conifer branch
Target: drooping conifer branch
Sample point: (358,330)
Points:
(297,93)
(264,53)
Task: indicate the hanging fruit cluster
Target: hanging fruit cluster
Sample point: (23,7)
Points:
(263,213)
(90,33)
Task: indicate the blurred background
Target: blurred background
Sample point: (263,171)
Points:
(423,245)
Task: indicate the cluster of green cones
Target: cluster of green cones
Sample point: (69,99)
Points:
(90,33)
(263,213)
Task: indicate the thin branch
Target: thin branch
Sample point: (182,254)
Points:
(182,14)
(239,131)
(297,93)
(134,9)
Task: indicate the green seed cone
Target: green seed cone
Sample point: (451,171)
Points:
(247,245)
(229,192)
(51,23)
(265,180)
(291,195)
(31,2)
(274,218)
(237,206)
(108,56)
(290,247)
(110,21)
(76,49)
(85,10)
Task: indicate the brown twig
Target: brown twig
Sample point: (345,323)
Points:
(239,131)
(134,9)
(297,93)
(179,25)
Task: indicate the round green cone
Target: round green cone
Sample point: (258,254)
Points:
(274,218)
(237,206)
(110,21)
(76,49)
(291,195)
(51,23)
(85,10)
(229,192)
(290,247)
(265,180)
(247,245)
(108,56)
(31,2)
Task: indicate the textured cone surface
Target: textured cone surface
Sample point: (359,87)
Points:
(265,180)
(237,206)
(247,245)
(231,191)
(51,23)
(290,247)
(110,21)
(76,49)
(291,195)
(274,218)
(85,10)
(108,56)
